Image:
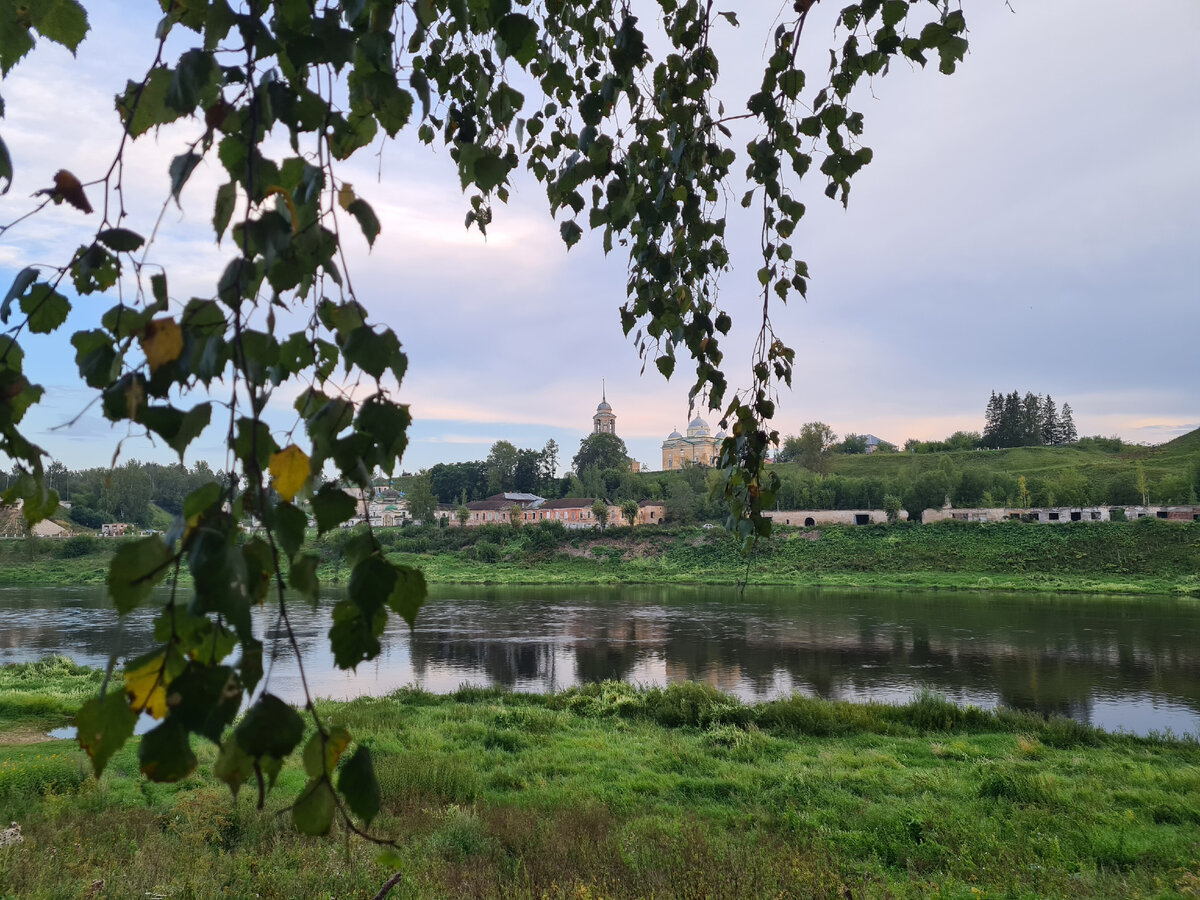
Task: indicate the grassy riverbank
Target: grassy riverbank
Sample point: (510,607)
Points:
(1146,557)
(610,791)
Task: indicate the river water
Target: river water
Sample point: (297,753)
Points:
(1131,664)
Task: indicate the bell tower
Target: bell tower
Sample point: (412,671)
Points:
(604,421)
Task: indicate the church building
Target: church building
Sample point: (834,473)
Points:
(700,447)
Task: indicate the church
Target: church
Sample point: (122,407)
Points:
(699,447)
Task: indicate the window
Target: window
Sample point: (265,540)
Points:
(1053,517)
(862,519)
(809,522)
(1162,514)
(1076,516)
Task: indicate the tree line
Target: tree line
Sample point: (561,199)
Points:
(1033,420)
(125,493)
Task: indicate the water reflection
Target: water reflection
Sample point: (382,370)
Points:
(1132,664)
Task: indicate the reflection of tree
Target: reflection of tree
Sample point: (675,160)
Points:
(1034,654)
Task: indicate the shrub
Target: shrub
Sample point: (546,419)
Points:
(75,547)
(486,551)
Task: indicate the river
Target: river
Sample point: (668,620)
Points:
(1118,663)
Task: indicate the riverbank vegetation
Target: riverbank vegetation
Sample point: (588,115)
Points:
(612,791)
(1146,556)
(1091,471)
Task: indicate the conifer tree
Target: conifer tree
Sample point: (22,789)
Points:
(1067,426)
(1031,419)
(1051,429)
(992,418)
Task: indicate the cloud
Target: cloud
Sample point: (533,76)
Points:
(1032,222)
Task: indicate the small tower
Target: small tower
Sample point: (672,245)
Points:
(604,421)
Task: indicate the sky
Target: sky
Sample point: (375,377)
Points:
(1029,223)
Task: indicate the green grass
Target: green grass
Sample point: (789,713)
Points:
(39,696)
(611,791)
(1143,557)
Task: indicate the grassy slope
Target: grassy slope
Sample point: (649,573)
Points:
(1135,557)
(613,792)
(1177,457)
(1143,557)
(1173,458)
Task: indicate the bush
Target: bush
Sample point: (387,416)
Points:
(77,546)
(486,551)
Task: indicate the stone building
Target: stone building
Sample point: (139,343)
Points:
(699,447)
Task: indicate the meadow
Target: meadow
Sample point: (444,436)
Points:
(614,791)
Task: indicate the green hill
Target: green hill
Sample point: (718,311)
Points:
(1092,471)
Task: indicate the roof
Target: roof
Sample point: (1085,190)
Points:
(569,503)
(524,499)
(674,435)
(650,503)
(603,407)
(489,504)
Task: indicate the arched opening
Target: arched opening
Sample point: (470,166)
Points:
(809,522)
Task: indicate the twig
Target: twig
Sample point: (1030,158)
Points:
(388,885)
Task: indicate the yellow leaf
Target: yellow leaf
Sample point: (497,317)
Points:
(289,469)
(146,685)
(346,195)
(162,343)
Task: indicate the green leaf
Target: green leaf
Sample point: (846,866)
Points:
(894,12)
(367,221)
(290,523)
(302,576)
(175,427)
(331,506)
(15,41)
(193,80)
(358,784)
(408,594)
(371,583)
(142,109)
(165,753)
(571,233)
(426,13)
(666,365)
(181,170)
(46,308)
(270,728)
(201,499)
(158,287)
(387,423)
(134,571)
(234,765)
(354,636)
(205,699)
(103,726)
(516,36)
(322,752)
(6,169)
(313,812)
(62,21)
(121,239)
(226,200)
(95,357)
(21,283)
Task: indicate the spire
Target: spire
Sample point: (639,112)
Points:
(603,397)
